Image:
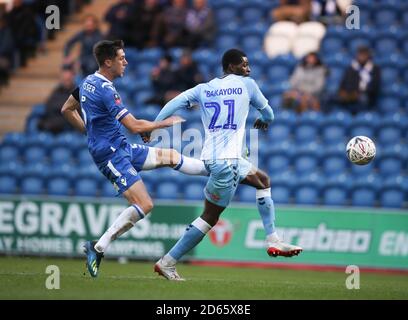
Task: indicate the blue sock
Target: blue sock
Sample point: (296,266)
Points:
(266,209)
(195,232)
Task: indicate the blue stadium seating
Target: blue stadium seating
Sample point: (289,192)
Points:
(8,184)
(58,186)
(335,191)
(193,191)
(246,194)
(167,190)
(85,187)
(9,153)
(32,185)
(392,193)
(307,190)
(364,190)
(61,155)
(107,190)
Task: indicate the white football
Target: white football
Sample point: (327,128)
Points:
(360,150)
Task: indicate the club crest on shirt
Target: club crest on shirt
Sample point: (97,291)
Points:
(117,98)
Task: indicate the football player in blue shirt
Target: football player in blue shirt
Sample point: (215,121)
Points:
(103,116)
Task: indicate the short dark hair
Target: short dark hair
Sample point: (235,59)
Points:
(232,56)
(106,49)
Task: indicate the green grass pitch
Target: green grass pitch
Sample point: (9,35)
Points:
(25,278)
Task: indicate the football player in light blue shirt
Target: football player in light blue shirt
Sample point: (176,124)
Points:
(103,116)
(224,104)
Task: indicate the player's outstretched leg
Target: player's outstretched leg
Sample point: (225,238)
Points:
(93,258)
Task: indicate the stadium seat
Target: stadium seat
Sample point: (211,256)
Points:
(392,193)
(194,191)
(391,128)
(251,42)
(390,163)
(40,139)
(281,186)
(107,190)
(246,194)
(331,44)
(167,190)
(304,45)
(305,162)
(385,46)
(335,191)
(61,155)
(226,41)
(9,153)
(364,190)
(225,14)
(34,154)
(306,132)
(334,160)
(15,139)
(84,157)
(58,186)
(385,15)
(276,45)
(307,190)
(312,29)
(85,187)
(277,73)
(8,184)
(251,14)
(277,163)
(32,186)
(287,29)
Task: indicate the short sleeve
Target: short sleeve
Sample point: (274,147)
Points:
(257,99)
(113,102)
(75,94)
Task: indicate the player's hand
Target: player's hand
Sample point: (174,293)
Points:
(259,124)
(171,121)
(146,137)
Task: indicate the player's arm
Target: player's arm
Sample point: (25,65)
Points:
(140,126)
(177,103)
(259,101)
(70,110)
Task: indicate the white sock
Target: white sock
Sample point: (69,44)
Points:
(191,166)
(123,223)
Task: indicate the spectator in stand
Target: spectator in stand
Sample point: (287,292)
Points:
(145,24)
(200,24)
(6,51)
(307,83)
(188,74)
(87,38)
(53,121)
(119,17)
(172,26)
(164,81)
(24,29)
(294,10)
(361,81)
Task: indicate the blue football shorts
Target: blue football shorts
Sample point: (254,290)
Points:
(123,167)
(225,175)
